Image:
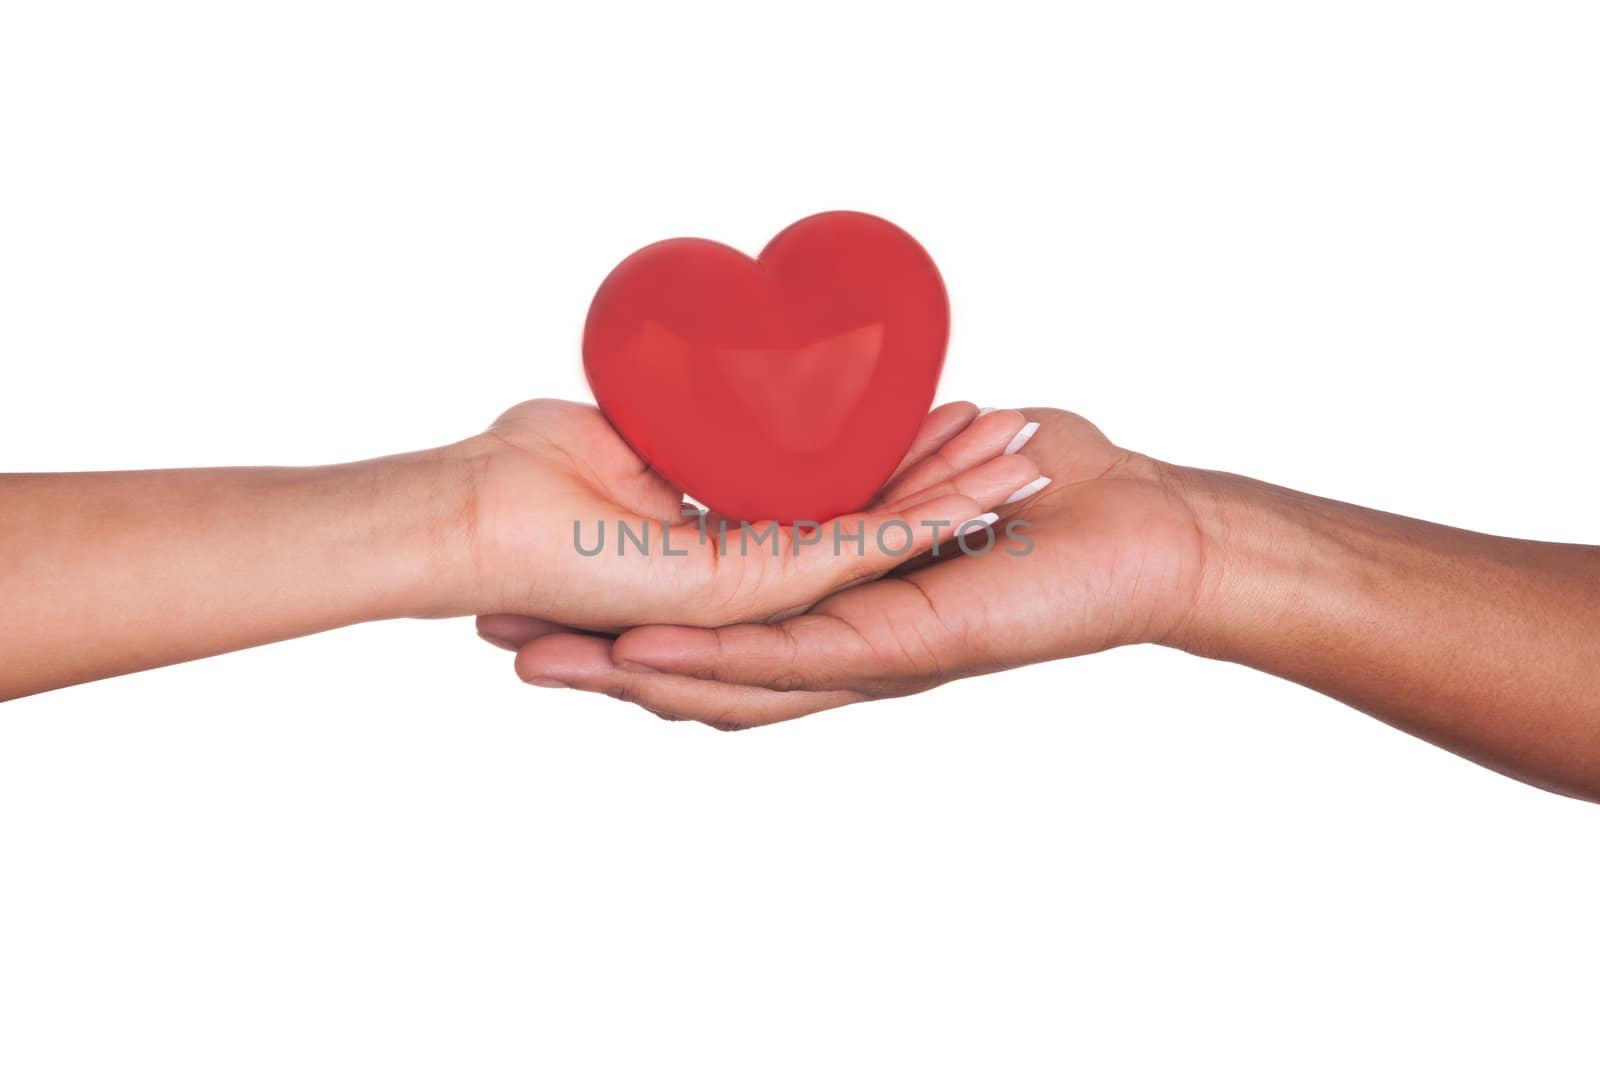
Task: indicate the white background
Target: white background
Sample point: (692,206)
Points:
(1346,247)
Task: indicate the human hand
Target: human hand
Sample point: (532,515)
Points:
(546,465)
(1115,560)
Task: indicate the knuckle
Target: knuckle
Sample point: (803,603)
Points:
(786,682)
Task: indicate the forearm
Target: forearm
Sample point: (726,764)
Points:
(108,573)
(1487,646)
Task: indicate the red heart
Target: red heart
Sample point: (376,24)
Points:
(783,387)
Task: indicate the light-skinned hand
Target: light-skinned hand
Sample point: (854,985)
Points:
(547,464)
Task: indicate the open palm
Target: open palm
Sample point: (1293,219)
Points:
(546,469)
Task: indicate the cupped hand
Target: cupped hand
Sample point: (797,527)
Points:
(1115,559)
(550,475)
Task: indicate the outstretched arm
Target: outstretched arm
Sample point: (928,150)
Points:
(107,573)
(1485,645)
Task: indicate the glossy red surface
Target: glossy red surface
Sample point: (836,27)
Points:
(782,387)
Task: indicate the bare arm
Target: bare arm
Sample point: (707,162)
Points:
(1484,645)
(1487,646)
(107,573)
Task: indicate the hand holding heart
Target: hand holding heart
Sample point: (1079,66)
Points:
(546,465)
(1115,560)
(787,387)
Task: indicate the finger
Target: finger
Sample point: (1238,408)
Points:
(990,484)
(810,561)
(1004,508)
(883,638)
(884,543)
(511,632)
(813,561)
(585,663)
(984,439)
(942,424)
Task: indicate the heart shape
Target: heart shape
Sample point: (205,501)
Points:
(783,387)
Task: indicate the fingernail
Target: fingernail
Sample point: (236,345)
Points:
(548,683)
(984,411)
(1026,491)
(637,668)
(1023,435)
(986,519)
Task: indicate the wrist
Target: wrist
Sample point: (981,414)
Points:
(423,524)
(1270,561)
